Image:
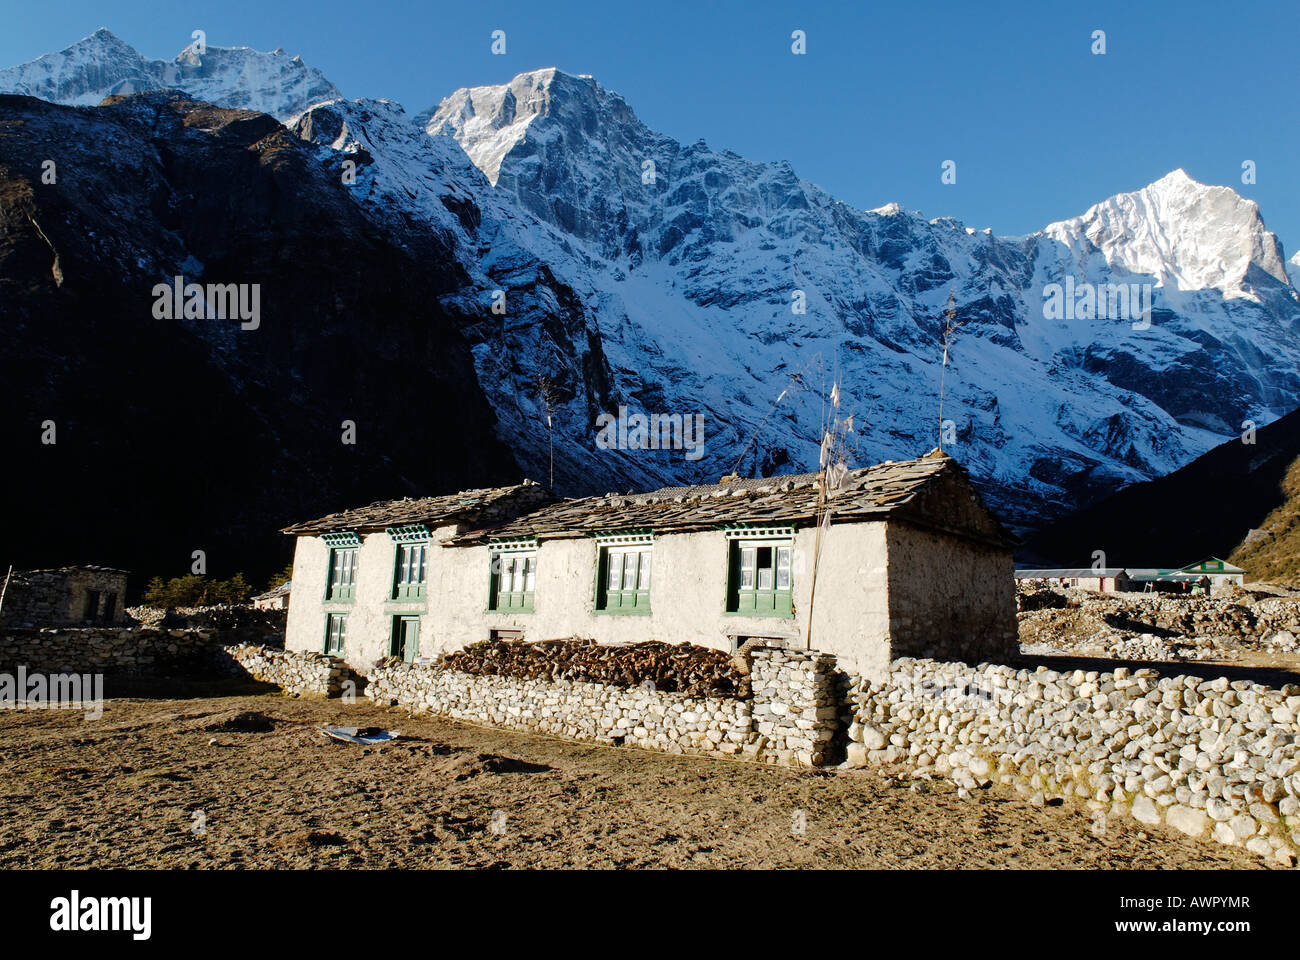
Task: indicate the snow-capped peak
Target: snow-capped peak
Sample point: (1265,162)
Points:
(490,121)
(102,65)
(1186,234)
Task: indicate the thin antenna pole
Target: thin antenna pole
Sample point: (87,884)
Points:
(5,588)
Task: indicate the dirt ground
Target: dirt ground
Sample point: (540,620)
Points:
(167,782)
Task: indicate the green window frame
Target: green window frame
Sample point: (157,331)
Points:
(336,633)
(760,580)
(342,579)
(410,571)
(623,578)
(513,580)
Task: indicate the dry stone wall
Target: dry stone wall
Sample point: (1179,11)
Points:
(296,673)
(790,719)
(1214,759)
(124,650)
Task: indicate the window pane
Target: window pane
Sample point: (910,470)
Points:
(629,571)
(423,563)
(764,563)
(783,568)
(643,583)
(747,568)
(531,572)
(615,570)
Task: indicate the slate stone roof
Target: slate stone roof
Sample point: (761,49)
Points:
(485,506)
(283,590)
(867,493)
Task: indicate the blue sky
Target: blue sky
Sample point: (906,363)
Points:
(1040,128)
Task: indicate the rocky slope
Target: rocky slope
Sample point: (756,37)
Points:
(1239,501)
(691,277)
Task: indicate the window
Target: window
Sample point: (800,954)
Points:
(759,581)
(336,633)
(343,574)
(92,605)
(623,579)
(514,580)
(410,571)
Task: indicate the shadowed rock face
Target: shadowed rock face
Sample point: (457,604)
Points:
(175,435)
(1208,508)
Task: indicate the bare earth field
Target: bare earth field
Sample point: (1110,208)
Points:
(127,790)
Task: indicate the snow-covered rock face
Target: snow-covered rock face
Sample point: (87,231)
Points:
(634,271)
(692,260)
(101,65)
(1185,234)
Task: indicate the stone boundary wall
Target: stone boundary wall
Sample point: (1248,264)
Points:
(235,623)
(791,718)
(1212,758)
(296,673)
(106,649)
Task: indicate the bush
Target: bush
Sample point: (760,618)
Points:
(195,591)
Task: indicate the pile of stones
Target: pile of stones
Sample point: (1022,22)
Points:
(1140,626)
(1214,759)
(1142,646)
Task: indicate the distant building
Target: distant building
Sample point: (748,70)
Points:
(1219,573)
(277,598)
(911,564)
(1104,579)
(63,596)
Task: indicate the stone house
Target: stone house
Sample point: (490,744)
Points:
(277,598)
(906,561)
(63,596)
(1101,579)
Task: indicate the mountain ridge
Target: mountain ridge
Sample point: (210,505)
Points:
(675,286)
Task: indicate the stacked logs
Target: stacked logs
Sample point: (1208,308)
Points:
(671,668)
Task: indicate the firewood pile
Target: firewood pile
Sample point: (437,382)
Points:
(671,668)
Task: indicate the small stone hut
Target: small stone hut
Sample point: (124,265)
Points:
(63,596)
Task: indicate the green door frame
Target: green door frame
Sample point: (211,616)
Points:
(405,639)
